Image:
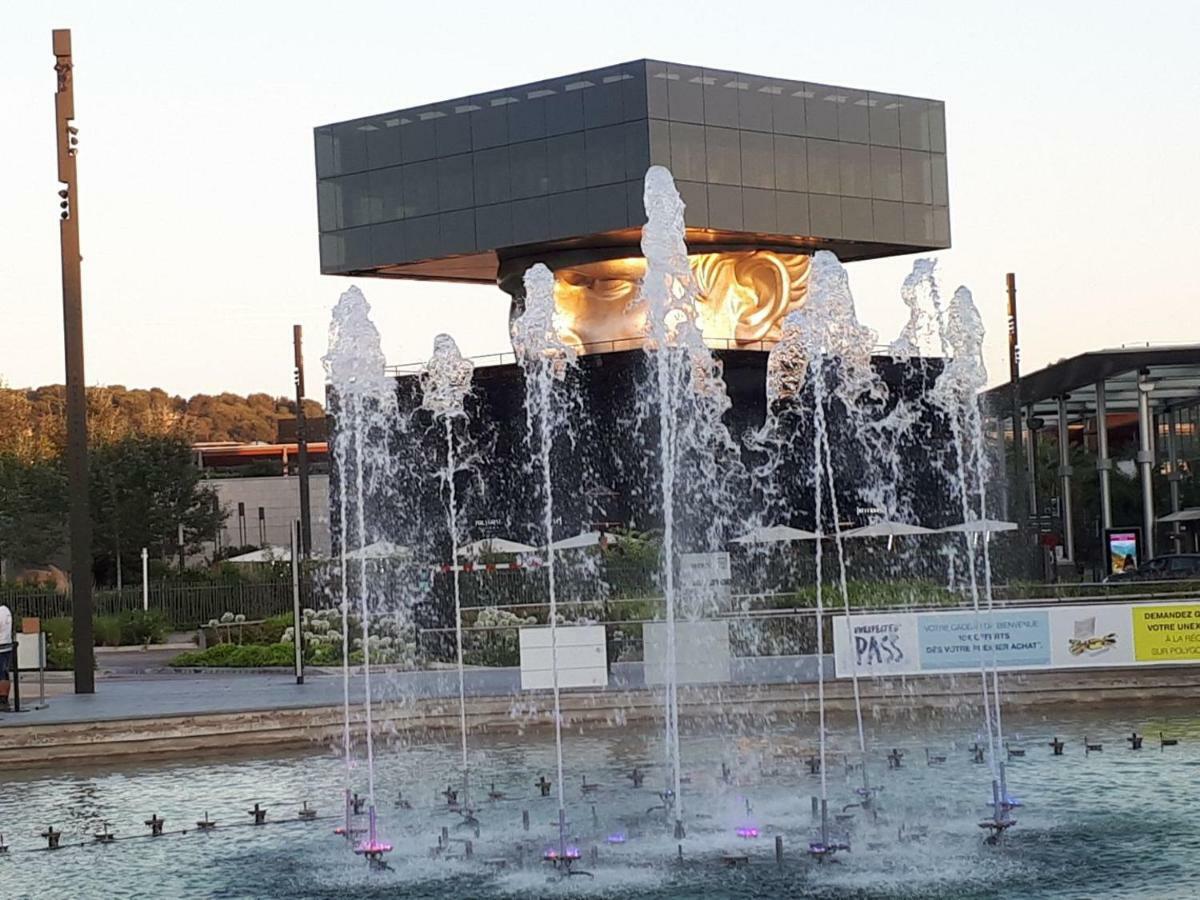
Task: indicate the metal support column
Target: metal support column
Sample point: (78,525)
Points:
(1145,460)
(1064,473)
(302,444)
(1173,476)
(1103,462)
(77,437)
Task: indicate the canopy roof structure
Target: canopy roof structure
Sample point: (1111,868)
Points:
(1174,370)
(980,526)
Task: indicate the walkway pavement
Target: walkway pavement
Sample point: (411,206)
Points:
(145,696)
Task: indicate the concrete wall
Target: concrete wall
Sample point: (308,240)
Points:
(279,498)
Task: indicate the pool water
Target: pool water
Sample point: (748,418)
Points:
(1117,823)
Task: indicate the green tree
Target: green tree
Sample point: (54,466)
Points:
(142,489)
(32,509)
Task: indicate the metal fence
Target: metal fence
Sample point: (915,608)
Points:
(184,606)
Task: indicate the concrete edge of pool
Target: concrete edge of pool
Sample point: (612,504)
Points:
(232,731)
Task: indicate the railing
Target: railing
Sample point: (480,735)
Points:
(507,358)
(184,606)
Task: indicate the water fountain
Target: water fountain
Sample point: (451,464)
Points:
(828,408)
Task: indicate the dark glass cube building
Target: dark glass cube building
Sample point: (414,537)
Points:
(456,189)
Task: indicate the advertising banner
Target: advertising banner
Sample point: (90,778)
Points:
(1054,637)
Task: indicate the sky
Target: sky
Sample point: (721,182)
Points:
(1073,141)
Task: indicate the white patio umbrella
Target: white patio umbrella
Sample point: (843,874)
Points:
(494,545)
(888,529)
(382,549)
(982,526)
(263,555)
(767,534)
(580,541)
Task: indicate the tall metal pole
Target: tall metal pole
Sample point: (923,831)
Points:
(1065,471)
(1021,509)
(1173,477)
(77,438)
(1103,462)
(1145,460)
(302,444)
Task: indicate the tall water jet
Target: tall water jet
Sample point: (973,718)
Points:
(956,395)
(690,401)
(822,342)
(545,358)
(445,382)
(366,413)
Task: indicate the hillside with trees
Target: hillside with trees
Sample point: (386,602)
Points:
(143,481)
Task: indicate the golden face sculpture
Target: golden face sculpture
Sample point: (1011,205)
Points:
(743,297)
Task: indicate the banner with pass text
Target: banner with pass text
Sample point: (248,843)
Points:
(1017,638)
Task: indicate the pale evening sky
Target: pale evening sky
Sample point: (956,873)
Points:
(1073,140)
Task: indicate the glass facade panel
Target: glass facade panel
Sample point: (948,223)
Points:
(566,163)
(527,164)
(787,109)
(825,214)
(660,143)
(606,207)
(452,134)
(420,188)
(758,211)
(489,123)
(456,231)
(455,182)
(324,152)
(354,191)
(889,221)
(856,219)
(758,159)
(914,125)
(724,156)
(637,149)
(568,213)
(885,120)
(605,154)
(724,206)
(349,148)
(687,152)
(493,226)
(937,127)
(721,97)
(824,175)
(855,168)
(564,112)
(388,187)
(604,104)
(791,163)
(383,146)
(530,220)
(853,116)
(755,103)
(918,223)
(492,181)
(418,138)
(941,189)
(886,182)
(917,176)
(656,90)
(526,120)
(792,212)
(820,111)
(685,97)
(695,199)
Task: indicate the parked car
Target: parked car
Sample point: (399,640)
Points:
(1172,567)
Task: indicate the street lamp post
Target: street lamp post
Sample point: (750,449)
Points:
(77,438)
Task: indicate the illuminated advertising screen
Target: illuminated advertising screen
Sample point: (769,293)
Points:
(1124,549)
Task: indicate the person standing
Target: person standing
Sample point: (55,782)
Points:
(6,654)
